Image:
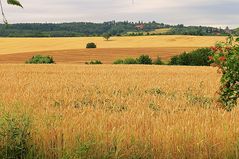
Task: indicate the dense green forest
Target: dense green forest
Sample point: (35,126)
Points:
(114,28)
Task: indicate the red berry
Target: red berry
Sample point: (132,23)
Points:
(223,58)
(213,48)
(210,57)
(228,48)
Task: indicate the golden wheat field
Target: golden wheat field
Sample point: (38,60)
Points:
(72,50)
(21,45)
(82,111)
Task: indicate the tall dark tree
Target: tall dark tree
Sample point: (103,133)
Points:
(12,2)
(106,36)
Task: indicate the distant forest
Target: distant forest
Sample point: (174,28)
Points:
(79,29)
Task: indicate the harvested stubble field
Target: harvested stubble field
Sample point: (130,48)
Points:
(107,56)
(80,111)
(72,50)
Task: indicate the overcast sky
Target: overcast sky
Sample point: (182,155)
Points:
(189,12)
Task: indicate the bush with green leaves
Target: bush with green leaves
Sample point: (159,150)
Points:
(197,57)
(158,61)
(39,59)
(144,60)
(15,136)
(182,59)
(91,46)
(130,61)
(126,61)
(225,56)
(119,61)
(94,62)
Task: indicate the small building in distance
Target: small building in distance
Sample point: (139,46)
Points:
(140,26)
(227,30)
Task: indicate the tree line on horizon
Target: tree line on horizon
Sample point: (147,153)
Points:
(78,29)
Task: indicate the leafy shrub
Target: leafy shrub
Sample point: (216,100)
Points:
(144,59)
(174,60)
(39,59)
(91,45)
(94,62)
(130,61)
(197,57)
(15,137)
(183,59)
(158,61)
(119,61)
(226,57)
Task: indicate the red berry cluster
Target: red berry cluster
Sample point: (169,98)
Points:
(225,56)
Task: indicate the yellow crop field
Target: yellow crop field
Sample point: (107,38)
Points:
(156,31)
(21,45)
(160,31)
(107,111)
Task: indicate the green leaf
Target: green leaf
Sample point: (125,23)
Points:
(14,2)
(237,40)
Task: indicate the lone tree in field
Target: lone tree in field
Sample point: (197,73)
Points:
(107,36)
(12,2)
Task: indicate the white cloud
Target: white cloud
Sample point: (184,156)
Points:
(190,12)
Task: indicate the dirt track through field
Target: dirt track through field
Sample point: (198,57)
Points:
(107,56)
